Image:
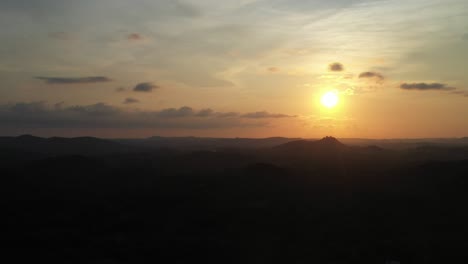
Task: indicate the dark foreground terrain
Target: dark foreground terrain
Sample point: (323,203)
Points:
(87,200)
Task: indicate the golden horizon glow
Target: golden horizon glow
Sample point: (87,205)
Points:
(184,68)
(329,99)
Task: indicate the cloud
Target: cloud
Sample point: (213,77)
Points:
(98,109)
(145,87)
(206,112)
(101,115)
(73,80)
(376,75)
(273,69)
(130,100)
(30,107)
(264,114)
(308,7)
(135,37)
(228,115)
(45,9)
(336,67)
(462,93)
(59,35)
(465,36)
(174,113)
(425,86)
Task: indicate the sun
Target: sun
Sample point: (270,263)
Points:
(329,99)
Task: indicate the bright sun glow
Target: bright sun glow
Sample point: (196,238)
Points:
(330,99)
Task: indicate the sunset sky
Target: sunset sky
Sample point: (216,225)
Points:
(245,68)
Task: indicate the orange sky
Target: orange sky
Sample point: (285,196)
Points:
(253,68)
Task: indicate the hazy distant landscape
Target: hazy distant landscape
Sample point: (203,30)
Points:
(273,200)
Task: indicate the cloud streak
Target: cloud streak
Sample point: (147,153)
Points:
(264,114)
(146,87)
(425,86)
(130,100)
(273,69)
(134,37)
(74,80)
(59,35)
(101,115)
(462,93)
(375,75)
(336,67)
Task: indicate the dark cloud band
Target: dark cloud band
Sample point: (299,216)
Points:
(130,100)
(73,80)
(372,75)
(336,67)
(101,115)
(425,86)
(145,87)
(264,114)
(134,36)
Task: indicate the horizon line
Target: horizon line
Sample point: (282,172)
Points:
(202,137)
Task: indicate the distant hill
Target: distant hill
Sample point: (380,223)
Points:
(210,144)
(406,143)
(61,146)
(322,146)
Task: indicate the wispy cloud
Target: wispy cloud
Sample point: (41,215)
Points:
(134,36)
(145,87)
(59,35)
(130,100)
(101,115)
(74,80)
(206,112)
(176,113)
(336,67)
(273,69)
(264,114)
(465,36)
(462,93)
(425,86)
(375,75)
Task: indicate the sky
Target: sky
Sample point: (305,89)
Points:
(245,68)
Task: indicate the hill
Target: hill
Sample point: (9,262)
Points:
(61,146)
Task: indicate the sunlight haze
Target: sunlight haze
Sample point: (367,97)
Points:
(255,68)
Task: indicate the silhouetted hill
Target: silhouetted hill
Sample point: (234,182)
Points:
(197,143)
(437,152)
(374,148)
(233,200)
(327,145)
(407,143)
(81,164)
(22,141)
(208,161)
(62,146)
